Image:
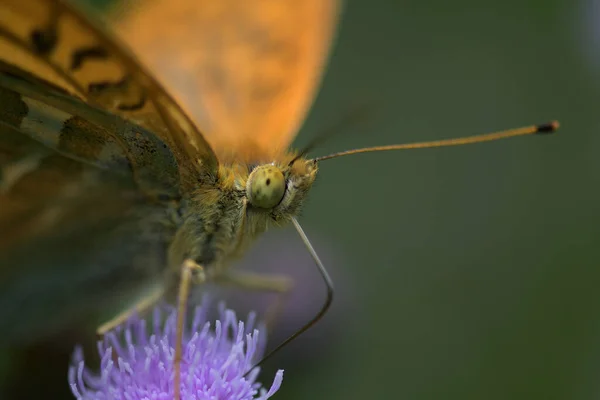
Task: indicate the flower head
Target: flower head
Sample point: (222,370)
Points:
(214,362)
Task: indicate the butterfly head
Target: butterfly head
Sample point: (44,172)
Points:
(280,188)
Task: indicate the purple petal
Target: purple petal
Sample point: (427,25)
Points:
(214,361)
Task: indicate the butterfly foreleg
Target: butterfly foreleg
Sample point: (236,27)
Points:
(256,281)
(140,308)
(11,173)
(280,284)
(191,273)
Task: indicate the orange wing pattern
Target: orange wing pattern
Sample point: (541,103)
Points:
(247,71)
(56,42)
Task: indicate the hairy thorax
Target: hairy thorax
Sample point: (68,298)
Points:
(223,215)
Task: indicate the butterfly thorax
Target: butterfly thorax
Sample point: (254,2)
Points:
(225,213)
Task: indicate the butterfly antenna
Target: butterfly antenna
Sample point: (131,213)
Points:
(527,130)
(353,117)
(324,307)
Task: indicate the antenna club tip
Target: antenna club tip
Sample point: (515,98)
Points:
(548,127)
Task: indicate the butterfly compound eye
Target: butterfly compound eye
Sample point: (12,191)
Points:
(266,186)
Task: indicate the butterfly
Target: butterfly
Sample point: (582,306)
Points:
(108,185)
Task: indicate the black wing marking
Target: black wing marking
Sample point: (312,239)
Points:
(86,134)
(89,63)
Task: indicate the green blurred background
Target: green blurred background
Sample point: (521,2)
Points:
(477,267)
(471,272)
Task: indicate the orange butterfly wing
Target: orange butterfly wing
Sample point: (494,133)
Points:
(247,71)
(56,42)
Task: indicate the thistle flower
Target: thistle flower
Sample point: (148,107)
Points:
(213,365)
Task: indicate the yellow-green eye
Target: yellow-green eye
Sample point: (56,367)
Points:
(266,186)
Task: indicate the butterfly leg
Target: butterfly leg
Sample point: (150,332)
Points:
(191,273)
(141,307)
(280,284)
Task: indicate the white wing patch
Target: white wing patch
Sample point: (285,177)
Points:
(12,173)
